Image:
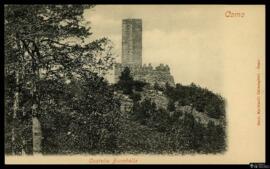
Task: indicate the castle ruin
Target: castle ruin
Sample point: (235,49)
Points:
(132,57)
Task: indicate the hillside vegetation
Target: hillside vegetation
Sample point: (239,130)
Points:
(190,120)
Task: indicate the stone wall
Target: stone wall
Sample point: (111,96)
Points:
(160,74)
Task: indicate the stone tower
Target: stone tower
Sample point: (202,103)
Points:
(132,42)
(132,57)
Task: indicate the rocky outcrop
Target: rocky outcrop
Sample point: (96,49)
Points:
(161,101)
(156,96)
(126,103)
(199,116)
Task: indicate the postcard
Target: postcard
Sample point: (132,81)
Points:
(134,84)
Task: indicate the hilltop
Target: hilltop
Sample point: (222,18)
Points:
(168,119)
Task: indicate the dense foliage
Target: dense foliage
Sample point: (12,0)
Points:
(201,99)
(88,122)
(127,84)
(150,129)
(40,61)
(61,84)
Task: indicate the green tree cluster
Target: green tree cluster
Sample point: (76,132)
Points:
(127,83)
(150,129)
(161,133)
(40,61)
(202,99)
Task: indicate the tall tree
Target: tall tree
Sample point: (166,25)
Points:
(125,82)
(37,51)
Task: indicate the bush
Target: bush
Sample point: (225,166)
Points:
(201,99)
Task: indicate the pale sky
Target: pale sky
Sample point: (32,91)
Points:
(187,38)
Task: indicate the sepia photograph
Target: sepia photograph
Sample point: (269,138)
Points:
(103,84)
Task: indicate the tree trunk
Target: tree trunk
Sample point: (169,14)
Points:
(15,112)
(36,127)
